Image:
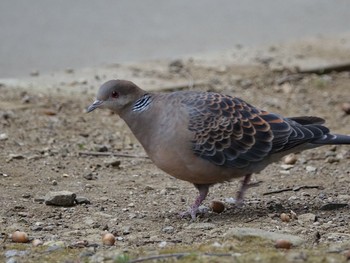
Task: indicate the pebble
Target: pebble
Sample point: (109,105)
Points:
(333,206)
(162,244)
(308,218)
(54,245)
(203,226)
(311,169)
(290,159)
(231,200)
(246,233)
(61,198)
(3,136)
(90,176)
(15,253)
(82,200)
(333,160)
(37,242)
(115,163)
(168,229)
(287,166)
(126,230)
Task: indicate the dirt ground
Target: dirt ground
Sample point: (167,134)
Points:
(45,137)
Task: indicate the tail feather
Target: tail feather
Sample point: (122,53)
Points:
(333,139)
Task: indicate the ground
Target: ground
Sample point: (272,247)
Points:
(48,143)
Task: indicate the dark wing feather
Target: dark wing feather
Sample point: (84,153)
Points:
(232,133)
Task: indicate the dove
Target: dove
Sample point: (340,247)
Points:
(207,138)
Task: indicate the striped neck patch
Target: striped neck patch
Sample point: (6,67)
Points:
(142,103)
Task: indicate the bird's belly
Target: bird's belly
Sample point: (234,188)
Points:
(189,167)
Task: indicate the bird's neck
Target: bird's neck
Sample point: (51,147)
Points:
(138,117)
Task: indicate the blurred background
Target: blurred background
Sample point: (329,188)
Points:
(53,35)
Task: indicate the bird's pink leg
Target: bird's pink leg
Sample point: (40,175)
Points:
(241,191)
(203,192)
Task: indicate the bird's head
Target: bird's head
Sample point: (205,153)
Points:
(116,95)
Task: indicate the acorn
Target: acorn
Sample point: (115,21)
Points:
(290,159)
(346,107)
(285,217)
(20,237)
(282,243)
(108,239)
(217,206)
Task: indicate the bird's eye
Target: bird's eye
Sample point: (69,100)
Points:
(115,94)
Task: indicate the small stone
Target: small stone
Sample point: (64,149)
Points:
(54,245)
(175,66)
(333,206)
(168,229)
(34,73)
(112,163)
(3,136)
(149,188)
(62,198)
(162,244)
(54,182)
(346,107)
(90,176)
(311,169)
(101,148)
(37,242)
(287,166)
(126,230)
(333,160)
(15,253)
(246,233)
(82,200)
(203,226)
(307,218)
(230,200)
(290,159)
(26,196)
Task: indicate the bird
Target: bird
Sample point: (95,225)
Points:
(207,138)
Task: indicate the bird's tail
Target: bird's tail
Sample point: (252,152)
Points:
(333,139)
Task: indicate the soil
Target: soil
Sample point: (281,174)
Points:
(51,144)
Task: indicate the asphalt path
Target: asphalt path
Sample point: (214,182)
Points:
(49,35)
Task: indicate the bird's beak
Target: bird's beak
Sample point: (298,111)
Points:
(95,105)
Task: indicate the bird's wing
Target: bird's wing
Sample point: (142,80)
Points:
(232,133)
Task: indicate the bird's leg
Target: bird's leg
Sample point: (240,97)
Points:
(241,191)
(203,192)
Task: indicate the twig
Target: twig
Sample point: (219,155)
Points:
(178,255)
(295,189)
(112,154)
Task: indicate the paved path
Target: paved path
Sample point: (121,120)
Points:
(53,35)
